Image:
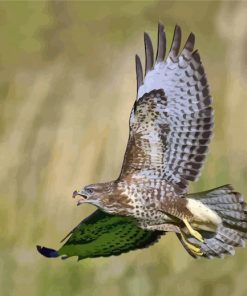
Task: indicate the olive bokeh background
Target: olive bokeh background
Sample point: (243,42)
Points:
(67,84)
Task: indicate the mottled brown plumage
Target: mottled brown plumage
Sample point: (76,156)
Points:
(171,125)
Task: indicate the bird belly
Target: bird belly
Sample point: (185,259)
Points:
(150,216)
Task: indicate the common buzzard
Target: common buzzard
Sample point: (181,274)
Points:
(171,125)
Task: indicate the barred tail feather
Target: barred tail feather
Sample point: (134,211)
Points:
(232,232)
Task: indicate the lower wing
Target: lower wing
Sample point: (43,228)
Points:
(103,235)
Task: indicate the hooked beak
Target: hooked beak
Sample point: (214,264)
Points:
(83,195)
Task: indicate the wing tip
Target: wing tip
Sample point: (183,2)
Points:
(148,53)
(178,29)
(190,43)
(137,59)
(147,40)
(139,71)
(176,42)
(161,46)
(161,26)
(47,252)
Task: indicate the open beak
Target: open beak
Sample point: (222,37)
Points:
(82,194)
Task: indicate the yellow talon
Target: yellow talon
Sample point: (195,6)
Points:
(192,231)
(194,249)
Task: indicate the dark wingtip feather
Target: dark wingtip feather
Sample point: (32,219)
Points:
(47,252)
(149,53)
(190,43)
(139,72)
(161,48)
(196,56)
(176,42)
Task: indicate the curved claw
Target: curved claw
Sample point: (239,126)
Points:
(192,231)
(193,250)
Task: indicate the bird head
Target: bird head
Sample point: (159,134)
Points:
(96,194)
(106,196)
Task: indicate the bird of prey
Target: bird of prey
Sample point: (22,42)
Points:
(171,126)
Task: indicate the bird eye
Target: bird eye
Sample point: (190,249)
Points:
(89,190)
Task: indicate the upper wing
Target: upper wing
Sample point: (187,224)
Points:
(101,234)
(172,118)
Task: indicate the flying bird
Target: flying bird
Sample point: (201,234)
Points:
(171,126)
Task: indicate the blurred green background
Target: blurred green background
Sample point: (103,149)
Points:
(67,84)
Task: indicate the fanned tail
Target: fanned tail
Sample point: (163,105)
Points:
(232,232)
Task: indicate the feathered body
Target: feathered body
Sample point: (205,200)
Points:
(152,202)
(145,197)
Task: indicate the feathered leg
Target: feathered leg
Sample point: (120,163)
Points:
(178,208)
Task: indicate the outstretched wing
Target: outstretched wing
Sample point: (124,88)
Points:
(172,119)
(101,234)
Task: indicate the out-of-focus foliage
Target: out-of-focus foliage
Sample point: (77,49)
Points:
(67,84)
